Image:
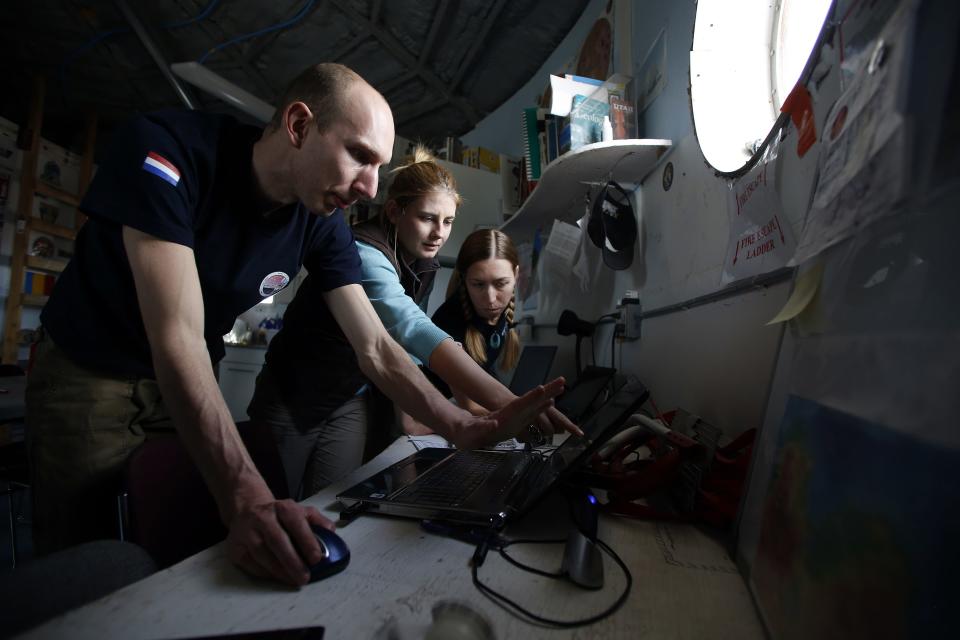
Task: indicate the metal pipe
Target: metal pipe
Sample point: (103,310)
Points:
(155,53)
(215,84)
(746,285)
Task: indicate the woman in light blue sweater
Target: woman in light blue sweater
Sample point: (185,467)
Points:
(310,391)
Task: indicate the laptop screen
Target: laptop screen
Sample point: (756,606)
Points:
(532,368)
(575,403)
(601,427)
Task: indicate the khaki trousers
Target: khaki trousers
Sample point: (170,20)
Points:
(82,426)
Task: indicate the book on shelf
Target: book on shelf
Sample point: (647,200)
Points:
(471,157)
(510,175)
(553,139)
(623,117)
(532,124)
(563,136)
(586,120)
(526,184)
(583,79)
(488,160)
(453,150)
(562,91)
(38,284)
(481,158)
(542,137)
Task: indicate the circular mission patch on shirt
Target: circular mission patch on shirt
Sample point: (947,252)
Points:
(273,283)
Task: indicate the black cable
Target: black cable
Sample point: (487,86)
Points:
(546,450)
(526,567)
(621,357)
(613,347)
(512,607)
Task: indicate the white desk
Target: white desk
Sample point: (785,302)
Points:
(685,586)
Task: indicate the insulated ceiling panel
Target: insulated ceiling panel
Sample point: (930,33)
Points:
(442,65)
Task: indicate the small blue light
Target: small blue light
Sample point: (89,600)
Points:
(591,498)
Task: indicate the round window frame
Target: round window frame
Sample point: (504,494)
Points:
(781,119)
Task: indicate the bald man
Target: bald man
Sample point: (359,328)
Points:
(193,219)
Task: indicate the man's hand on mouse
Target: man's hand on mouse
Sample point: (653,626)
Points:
(273,540)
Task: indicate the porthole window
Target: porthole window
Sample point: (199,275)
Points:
(746,57)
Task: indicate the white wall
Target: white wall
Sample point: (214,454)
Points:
(683,232)
(482,194)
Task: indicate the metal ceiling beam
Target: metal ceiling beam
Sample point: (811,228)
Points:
(155,53)
(350,46)
(256,48)
(403,78)
(121,72)
(478,43)
(234,60)
(396,48)
(396,81)
(438,18)
(421,109)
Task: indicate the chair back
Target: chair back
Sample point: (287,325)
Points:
(165,505)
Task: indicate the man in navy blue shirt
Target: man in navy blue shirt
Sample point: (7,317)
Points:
(193,218)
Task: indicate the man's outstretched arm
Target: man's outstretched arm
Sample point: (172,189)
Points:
(267,537)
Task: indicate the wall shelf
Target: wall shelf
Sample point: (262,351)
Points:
(559,195)
(57,193)
(53,229)
(29,300)
(31,186)
(46,264)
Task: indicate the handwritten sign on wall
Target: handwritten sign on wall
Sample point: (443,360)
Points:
(760,239)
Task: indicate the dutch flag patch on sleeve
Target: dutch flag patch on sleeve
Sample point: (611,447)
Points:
(161,167)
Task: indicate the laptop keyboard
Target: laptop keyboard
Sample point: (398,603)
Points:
(453,482)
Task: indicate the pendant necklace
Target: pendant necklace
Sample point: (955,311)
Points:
(496,338)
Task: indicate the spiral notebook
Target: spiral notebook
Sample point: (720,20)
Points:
(532,124)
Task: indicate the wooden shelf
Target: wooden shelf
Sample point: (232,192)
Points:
(45,264)
(31,187)
(29,300)
(50,191)
(53,229)
(560,192)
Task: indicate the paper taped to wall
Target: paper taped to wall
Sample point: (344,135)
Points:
(804,291)
(761,238)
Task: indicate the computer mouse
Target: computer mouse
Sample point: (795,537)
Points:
(337,554)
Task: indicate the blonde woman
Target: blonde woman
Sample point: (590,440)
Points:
(311,390)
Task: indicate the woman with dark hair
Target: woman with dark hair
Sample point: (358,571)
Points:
(481,302)
(311,391)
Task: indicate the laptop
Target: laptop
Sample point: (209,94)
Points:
(532,368)
(589,392)
(483,487)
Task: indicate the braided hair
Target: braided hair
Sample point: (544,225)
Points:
(485,244)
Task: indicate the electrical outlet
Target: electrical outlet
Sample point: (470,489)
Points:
(630,315)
